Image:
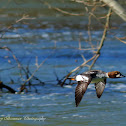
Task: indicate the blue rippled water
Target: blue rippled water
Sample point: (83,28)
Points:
(53,105)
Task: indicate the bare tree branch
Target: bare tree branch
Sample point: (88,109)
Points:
(35,71)
(77,68)
(6,87)
(120,39)
(62,11)
(117,8)
(95,57)
(9,27)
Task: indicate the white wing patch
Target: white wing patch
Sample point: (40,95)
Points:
(82,78)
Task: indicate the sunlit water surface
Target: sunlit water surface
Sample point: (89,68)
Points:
(53,105)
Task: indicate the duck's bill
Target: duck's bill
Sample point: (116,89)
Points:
(122,76)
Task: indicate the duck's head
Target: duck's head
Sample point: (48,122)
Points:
(115,74)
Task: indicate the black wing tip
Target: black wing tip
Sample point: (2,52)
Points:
(77,104)
(99,96)
(77,101)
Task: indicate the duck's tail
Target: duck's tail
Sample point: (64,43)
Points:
(71,78)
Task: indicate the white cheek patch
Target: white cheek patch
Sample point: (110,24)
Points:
(82,78)
(118,75)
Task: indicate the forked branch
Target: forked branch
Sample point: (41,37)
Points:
(95,57)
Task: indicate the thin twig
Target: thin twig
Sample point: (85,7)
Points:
(77,68)
(120,40)
(62,11)
(35,71)
(17,21)
(102,39)
(68,13)
(16,59)
(95,57)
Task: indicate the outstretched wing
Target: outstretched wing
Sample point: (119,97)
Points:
(100,87)
(80,90)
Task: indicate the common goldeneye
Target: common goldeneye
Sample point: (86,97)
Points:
(97,77)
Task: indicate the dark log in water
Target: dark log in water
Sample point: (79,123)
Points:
(7,87)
